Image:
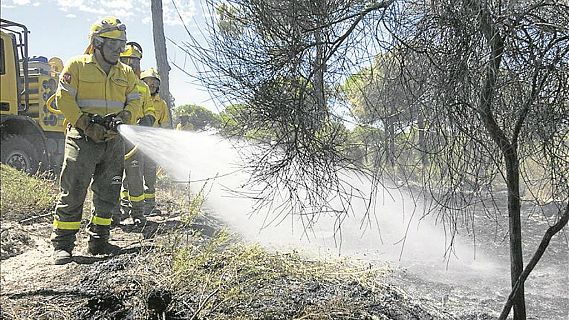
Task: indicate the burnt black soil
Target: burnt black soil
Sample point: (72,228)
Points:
(472,293)
(138,283)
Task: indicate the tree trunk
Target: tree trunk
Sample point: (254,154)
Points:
(534,260)
(515,227)
(161,54)
(509,149)
(422,142)
(390,142)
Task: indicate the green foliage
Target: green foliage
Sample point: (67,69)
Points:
(23,195)
(235,120)
(232,119)
(367,90)
(354,89)
(228,20)
(361,144)
(198,116)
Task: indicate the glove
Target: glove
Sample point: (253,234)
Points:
(91,129)
(147,120)
(110,134)
(123,117)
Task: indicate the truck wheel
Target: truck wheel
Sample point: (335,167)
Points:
(19,153)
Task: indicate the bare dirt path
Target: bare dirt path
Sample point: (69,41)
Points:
(34,288)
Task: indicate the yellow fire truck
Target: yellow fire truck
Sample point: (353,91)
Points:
(32,137)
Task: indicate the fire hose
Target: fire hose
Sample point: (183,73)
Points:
(50,107)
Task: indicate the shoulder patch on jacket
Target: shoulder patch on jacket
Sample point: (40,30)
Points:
(66,77)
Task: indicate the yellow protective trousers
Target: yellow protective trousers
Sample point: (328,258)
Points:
(149,172)
(87,163)
(132,194)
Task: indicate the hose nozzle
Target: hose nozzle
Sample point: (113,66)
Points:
(110,121)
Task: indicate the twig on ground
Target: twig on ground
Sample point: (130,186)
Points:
(35,217)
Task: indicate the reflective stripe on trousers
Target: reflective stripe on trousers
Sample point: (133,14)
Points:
(66,225)
(139,198)
(133,182)
(101,221)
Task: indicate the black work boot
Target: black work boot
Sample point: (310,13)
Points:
(117,218)
(61,256)
(63,242)
(101,247)
(138,218)
(125,211)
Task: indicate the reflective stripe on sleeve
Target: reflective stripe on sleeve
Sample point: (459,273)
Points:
(133,96)
(66,225)
(149,196)
(101,221)
(99,103)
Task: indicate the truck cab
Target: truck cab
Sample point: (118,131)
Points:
(32,137)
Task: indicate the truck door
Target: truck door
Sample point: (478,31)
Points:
(8,75)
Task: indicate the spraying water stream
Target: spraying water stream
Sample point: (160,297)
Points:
(205,158)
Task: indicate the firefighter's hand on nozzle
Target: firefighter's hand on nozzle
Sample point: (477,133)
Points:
(146,121)
(91,128)
(100,128)
(114,122)
(111,134)
(123,117)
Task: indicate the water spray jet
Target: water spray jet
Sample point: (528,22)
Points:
(197,159)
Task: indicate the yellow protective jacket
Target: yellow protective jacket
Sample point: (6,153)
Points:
(146,99)
(161,109)
(85,88)
(184,127)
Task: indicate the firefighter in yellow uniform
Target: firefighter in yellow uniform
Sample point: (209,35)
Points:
(96,93)
(132,194)
(185,124)
(152,79)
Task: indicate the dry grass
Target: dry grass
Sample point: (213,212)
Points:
(226,279)
(23,196)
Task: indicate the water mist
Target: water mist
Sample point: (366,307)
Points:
(392,232)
